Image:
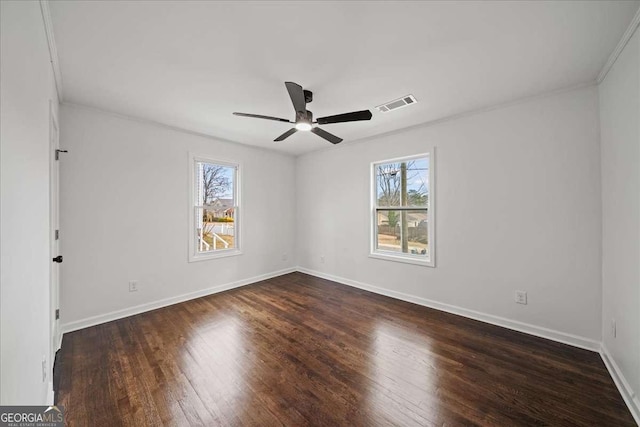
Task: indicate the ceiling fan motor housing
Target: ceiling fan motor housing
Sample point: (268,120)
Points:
(304,116)
(308,96)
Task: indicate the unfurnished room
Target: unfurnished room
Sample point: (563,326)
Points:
(319,213)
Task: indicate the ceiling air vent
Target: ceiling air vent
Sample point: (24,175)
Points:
(398,103)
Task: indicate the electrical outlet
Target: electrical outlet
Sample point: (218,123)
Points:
(521,297)
(285,257)
(321,259)
(44,368)
(133,286)
(613,328)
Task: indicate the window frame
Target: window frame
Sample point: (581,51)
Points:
(373,232)
(194,255)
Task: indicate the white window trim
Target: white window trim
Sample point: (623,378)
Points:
(194,255)
(394,256)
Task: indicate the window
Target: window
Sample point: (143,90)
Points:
(214,209)
(402,210)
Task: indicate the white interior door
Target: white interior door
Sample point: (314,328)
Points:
(55,233)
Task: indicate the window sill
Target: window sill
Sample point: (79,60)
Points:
(403,259)
(214,255)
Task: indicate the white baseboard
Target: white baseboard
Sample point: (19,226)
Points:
(539,331)
(629,396)
(130,311)
(563,337)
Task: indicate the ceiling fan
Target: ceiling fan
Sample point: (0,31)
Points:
(304,118)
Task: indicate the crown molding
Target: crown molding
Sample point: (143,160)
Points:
(150,122)
(53,50)
(631,29)
(457,116)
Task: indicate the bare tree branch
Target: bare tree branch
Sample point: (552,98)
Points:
(215,183)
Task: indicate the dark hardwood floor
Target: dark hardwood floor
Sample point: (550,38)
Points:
(297,350)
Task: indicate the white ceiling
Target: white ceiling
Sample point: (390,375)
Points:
(191,64)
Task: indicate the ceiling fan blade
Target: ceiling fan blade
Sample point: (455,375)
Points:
(346,117)
(326,135)
(286,135)
(297,96)
(258,116)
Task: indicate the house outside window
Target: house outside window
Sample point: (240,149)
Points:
(402,224)
(214,209)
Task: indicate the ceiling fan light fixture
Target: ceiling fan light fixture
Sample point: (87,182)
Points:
(303,126)
(304,118)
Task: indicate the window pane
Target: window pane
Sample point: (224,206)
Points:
(403,183)
(215,228)
(402,231)
(215,185)
(388,184)
(215,207)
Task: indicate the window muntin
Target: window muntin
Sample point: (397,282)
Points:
(214,227)
(402,224)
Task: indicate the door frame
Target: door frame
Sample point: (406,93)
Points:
(54,224)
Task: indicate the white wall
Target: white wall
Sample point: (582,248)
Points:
(26,87)
(124,212)
(517,207)
(620,139)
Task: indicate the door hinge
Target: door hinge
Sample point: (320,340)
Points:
(57,234)
(58,153)
(57,313)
